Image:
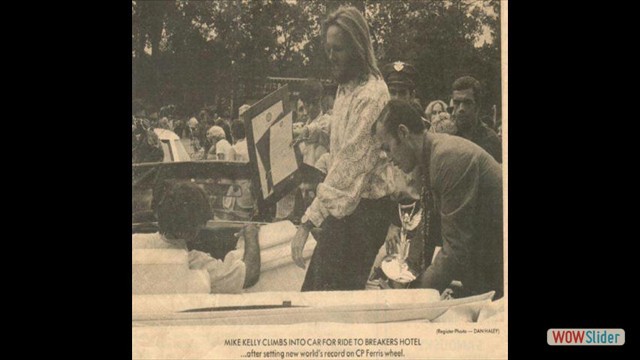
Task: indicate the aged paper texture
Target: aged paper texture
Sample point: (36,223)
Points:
(279,321)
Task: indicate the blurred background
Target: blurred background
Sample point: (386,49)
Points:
(215,56)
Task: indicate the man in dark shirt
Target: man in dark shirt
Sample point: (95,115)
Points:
(466,100)
(462,192)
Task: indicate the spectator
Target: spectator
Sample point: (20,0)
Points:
(146,144)
(221,148)
(440,119)
(245,201)
(401,78)
(434,109)
(164,124)
(315,133)
(240,145)
(227,129)
(179,127)
(467,100)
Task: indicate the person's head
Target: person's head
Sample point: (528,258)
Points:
(434,109)
(400,78)
(327,103)
(310,95)
(193,123)
(348,45)
(399,129)
(215,134)
(442,123)
(466,99)
(237,130)
(300,111)
(181,209)
(164,123)
(227,129)
(243,108)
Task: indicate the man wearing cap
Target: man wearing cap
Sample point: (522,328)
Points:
(400,78)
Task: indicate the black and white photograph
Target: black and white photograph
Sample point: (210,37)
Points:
(319,179)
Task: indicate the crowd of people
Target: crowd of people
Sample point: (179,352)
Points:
(211,137)
(381,150)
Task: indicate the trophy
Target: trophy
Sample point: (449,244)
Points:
(395,265)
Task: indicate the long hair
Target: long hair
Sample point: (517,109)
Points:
(429,110)
(351,21)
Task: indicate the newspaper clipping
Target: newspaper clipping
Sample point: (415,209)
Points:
(319,179)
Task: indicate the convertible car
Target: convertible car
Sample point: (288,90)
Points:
(275,298)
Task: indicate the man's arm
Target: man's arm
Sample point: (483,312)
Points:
(351,167)
(458,184)
(251,256)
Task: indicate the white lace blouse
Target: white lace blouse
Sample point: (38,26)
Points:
(358,168)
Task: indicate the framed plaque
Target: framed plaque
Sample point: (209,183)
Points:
(278,167)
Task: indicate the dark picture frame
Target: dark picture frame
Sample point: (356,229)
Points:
(267,198)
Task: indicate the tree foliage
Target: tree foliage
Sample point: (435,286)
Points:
(212,53)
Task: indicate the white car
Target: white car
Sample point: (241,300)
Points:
(171,146)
